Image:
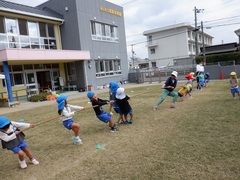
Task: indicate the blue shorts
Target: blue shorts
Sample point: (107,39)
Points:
(189,91)
(234,90)
(180,95)
(130,112)
(201,83)
(104,117)
(117,110)
(68,124)
(20,147)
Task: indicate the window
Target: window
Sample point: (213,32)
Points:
(152,50)
(2,30)
(42,29)
(18,78)
(33,29)
(107,67)
(51,30)
(22,24)
(11,26)
(149,39)
(104,32)
(20,33)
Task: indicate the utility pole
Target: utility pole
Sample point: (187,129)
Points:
(203,45)
(196,27)
(132,56)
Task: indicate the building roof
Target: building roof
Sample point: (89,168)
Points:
(29,11)
(220,48)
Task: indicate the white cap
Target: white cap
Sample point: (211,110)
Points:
(120,93)
(175,73)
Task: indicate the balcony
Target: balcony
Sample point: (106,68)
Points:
(152,44)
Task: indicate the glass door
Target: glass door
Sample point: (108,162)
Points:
(31,84)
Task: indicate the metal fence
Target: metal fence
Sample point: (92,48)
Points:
(218,71)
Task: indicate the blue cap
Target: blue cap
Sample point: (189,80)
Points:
(113,87)
(61,101)
(90,94)
(4,121)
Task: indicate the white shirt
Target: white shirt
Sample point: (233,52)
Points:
(4,135)
(199,68)
(67,111)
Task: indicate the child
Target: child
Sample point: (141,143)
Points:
(168,88)
(66,112)
(113,86)
(13,139)
(233,82)
(200,81)
(206,77)
(185,90)
(122,100)
(102,115)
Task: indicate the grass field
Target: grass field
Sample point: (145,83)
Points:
(200,139)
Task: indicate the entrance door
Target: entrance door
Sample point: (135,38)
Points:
(31,84)
(44,80)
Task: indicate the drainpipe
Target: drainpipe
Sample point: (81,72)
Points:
(8,81)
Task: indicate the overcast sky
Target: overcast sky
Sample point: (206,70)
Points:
(222,16)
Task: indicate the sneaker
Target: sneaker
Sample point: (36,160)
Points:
(130,121)
(124,122)
(116,124)
(34,161)
(23,164)
(77,140)
(234,98)
(154,108)
(112,130)
(172,106)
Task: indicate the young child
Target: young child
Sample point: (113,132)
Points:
(233,82)
(102,115)
(113,86)
(13,139)
(66,112)
(122,100)
(185,90)
(200,81)
(207,78)
(168,88)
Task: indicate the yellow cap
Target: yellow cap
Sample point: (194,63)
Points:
(233,74)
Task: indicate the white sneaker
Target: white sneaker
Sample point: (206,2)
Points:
(77,140)
(172,106)
(154,108)
(34,161)
(23,164)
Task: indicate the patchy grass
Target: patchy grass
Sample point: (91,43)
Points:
(197,140)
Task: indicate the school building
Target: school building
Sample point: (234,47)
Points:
(73,45)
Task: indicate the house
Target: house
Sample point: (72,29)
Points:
(58,44)
(166,45)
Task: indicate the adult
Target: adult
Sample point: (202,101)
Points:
(168,88)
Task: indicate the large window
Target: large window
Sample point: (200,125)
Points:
(20,33)
(104,32)
(107,67)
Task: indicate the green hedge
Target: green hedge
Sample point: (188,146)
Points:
(39,97)
(220,57)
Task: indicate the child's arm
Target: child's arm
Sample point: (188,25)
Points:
(78,108)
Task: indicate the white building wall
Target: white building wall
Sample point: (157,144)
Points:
(173,42)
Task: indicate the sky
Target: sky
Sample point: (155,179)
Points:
(220,18)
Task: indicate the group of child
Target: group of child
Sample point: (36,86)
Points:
(185,90)
(12,136)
